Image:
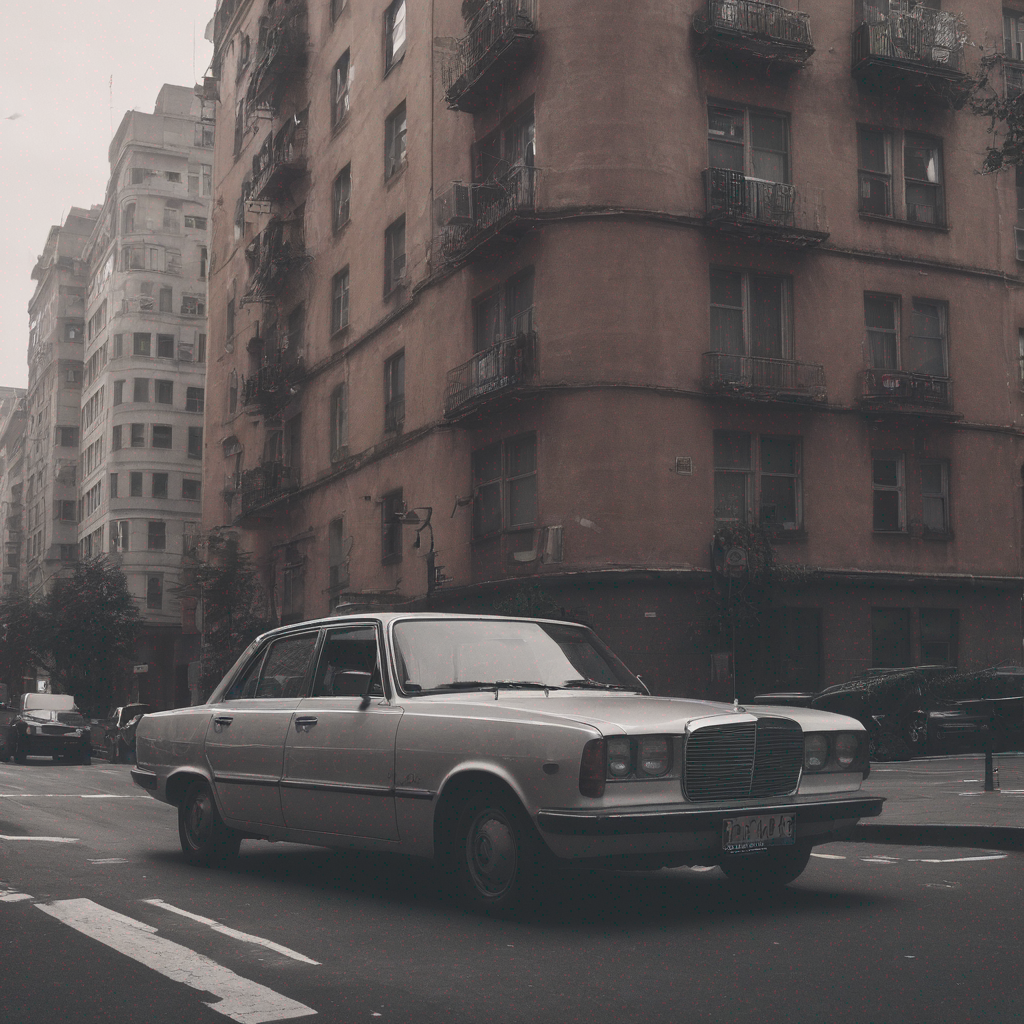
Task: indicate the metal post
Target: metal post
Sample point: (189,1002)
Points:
(989,774)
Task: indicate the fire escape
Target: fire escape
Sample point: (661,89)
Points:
(276,253)
(281,52)
(754,32)
(262,487)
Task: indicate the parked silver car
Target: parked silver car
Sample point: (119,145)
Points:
(499,747)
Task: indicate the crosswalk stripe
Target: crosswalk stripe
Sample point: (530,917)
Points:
(37,839)
(240,999)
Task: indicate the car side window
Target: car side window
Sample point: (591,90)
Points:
(285,667)
(245,685)
(349,664)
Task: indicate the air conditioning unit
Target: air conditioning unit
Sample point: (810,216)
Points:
(456,205)
(1018,238)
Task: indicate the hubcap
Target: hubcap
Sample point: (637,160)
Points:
(199,820)
(491,852)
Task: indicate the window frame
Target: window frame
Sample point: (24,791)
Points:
(786,317)
(746,145)
(941,495)
(391,530)
(899,488)
(498,454)
(899,141)
(394,391)
(339,422)
(395,263)
(396,130)
(753,475)
(340,285)
(340,90)
(156,535)
(393,53)
(341,198)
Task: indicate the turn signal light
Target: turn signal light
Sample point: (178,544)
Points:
(592,768)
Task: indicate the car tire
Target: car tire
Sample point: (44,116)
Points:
(85,757)
(769,870)
(917,734)
(20,754)
(205,839)
(112,752)
(494,861)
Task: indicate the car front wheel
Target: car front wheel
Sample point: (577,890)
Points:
(20,754)
(771,869)
(205,839)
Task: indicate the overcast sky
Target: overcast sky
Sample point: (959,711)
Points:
(58,59)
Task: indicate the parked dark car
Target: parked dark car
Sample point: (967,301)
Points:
(7,734)
(114,736)
(49,725)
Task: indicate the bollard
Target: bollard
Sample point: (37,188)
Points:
(989,774)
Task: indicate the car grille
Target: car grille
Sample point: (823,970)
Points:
(55,730)
(748,759)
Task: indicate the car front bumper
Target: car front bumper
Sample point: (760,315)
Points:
(54,745)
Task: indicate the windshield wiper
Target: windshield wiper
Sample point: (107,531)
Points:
(470,685)
(593,684)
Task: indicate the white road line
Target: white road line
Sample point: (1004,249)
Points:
(112,796)
(828,856)
(107,860)
(878,860)
(956,860)
(240,999)
(37,839)
(234,933)
(10,896)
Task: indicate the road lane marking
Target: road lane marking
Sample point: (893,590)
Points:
(10,896)
(239,999)
(880,860)
(107,860)
(828,856)
(234,933)
(112,796)
(956,860)
(37,839)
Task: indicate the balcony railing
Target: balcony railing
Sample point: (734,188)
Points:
(394,415)
(762,31)
(273,385)
(505,365)
(280,160)
(474,217)
(265,484)
(922,45)
(280,53)
(498,44)
(768,210)
(902,388)
(274,255)
(764,377)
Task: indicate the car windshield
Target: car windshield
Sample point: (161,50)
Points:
(467,654)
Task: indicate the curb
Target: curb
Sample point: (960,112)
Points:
(995,837)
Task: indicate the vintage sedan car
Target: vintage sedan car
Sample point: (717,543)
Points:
(114,736)
(499,747)
(49,724)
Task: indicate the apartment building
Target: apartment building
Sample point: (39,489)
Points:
(140,421)
(522,298)
(55,357)
(12,484)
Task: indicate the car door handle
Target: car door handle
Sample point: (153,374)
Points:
(305,723)
(221,721)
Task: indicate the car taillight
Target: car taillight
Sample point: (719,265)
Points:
(655,755)
(592,768)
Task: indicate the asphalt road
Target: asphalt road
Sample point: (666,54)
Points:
(97,929)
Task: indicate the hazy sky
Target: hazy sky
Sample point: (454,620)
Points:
(58,59)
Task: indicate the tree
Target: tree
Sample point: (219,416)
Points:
(88,626)
(19,636)
(234,604)
(1003,110)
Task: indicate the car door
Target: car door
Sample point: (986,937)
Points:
(245,738)
(339,757)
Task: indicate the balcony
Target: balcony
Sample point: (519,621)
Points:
(499,44)
(264,485)
(762,378)
(922,50)
(274,255)
(763,33)
(899,391)
(476,219)
(273,385)
(280,54)
(504,367)
(764,211)
(280,161)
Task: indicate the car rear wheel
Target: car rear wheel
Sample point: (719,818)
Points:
(771,869)
(112,751)
(495,857)
(20,753)
(205,839)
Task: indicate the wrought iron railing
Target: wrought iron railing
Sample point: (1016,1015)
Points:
(394,414)
(281,51)
(506,364)
(904,387)
(782,377)
(273,256)
(265,483)
(278,159)
(752,18)
(734,197)
(489,208)
(272,383)
(929,39)
(499,36)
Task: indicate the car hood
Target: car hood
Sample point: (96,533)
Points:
(613,713)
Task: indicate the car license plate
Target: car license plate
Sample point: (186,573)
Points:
(758,832)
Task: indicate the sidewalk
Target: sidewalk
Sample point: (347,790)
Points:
(941,801)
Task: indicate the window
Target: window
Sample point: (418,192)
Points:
(173,176)
(337,556)
(113,485)
(157,535)
(505,485)
(339,422)
(159,485)
(128,219)
(511,144)
(191,489)
(391,529)
(193,181)
(337,6)
(939,636)
(65,511)
(164,392)
(204,259)
(154,591)
(881,318)
(139,175)
(207,169)
(171,218)
(239,218)
(161,435)
(67,553)
(119,535)
(394,391)
(200,348)
(754,143)
(115,436)
(342,198)
(394,34)
(67,437)
(506,312)
(394,141)
(138,435)
(118,346)
(889,486)
(394,256)
(195,442)
(763,473)
(135,485)
(239,125)
(923,200)
(204,138)
(118,392)
(339,90)
(194,399)
(923,350)
(190,539)
(195,222)
(193,305)
(751,314)
(140,392)
(233,391)
(339,301)
(935,496)
(141,344)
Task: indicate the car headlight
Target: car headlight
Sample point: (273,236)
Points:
(620,758)
(846,746)
(655,756)
(815,751)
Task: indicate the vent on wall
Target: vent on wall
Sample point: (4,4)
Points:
(684,464)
